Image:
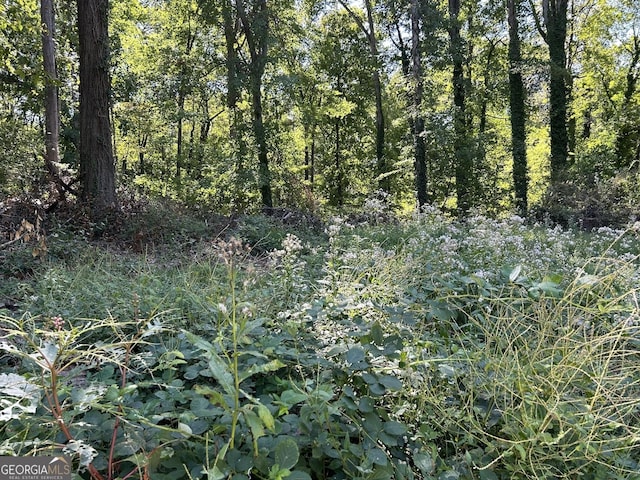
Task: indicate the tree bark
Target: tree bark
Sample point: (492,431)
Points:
(518,113)
(339,193)
(464,163)
(256,33)
(52,113)
(555,18)
(628,136)
(97,167)
(417,120)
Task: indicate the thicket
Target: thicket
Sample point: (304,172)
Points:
(426,348)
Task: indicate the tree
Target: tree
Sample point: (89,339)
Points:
(627,143)
(255,27)
(417,120)
(370,34)
(464,159)
(517,108)
(52,114)
(554,33)
(97,166)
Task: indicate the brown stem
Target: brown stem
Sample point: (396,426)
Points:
(56,411)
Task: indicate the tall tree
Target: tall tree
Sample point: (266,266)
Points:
(370,33)
(517,107)
(553,30)
(417,120)
(234,85)
(255,27)
(52,114)
(97,166)
(627,143)
(464,159)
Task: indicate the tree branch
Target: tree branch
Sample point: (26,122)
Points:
(536,19)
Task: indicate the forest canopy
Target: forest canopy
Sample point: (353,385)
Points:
(234,105)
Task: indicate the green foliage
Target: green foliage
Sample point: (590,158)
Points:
(425,349)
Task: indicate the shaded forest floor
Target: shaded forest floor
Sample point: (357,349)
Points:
(167,344)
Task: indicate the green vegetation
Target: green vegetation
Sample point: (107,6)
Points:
(427,348)
(251,239)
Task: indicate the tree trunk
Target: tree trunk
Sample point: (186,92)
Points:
(627,141)
(180,135)
(464,163)
(555,17)
(234,84)
(339,192)
(417,120)
(142,146)
(256,33)
(52,113)
(97,167)
(381,165)
(264,176)
(518,113)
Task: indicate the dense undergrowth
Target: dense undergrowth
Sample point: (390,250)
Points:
(427,348)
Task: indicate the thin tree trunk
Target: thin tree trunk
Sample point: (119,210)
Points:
(264,176)
(97,167)
(464,164)
(238,144)
(381,165)
(518,112)
(142,145)
(256,33)
(312,166)
(339,195)
(417,120)
(180,135)
(626,144)
(52,114)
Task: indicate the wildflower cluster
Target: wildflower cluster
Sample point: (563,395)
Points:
(231,249)
(57,323)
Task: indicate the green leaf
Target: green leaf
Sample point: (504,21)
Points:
(394,428)
(271,366)
(218,367)
(424,462)
(18,396)
(377,456)
(377,335)
(355,355)
(254,422)
(521,451)
(447,371)
(488,475)
(390,382)
(515,273)
(220,371)
(50,352)
(291,397)
(215,473)
(366,404)
(185,429)
(267,419)
(449,475)
(287,453)
(298,475)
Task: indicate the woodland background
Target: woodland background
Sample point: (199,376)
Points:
(488,106)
